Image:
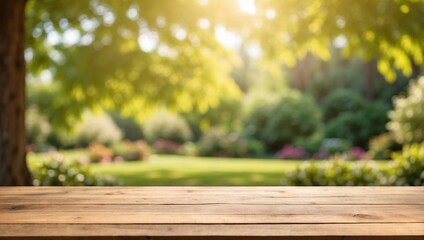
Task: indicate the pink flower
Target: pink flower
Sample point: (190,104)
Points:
(290,152)
(358,153)
(58,157)
(105,160)
(118,159)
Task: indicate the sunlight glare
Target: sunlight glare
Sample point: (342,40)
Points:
(340,41)
(227,38)
(248,6)
(148,41)
(270,13)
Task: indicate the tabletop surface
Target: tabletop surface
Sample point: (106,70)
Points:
(211,211)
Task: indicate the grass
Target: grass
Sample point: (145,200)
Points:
(201,171)
(170,170)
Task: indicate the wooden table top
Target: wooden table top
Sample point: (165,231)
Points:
(214,212)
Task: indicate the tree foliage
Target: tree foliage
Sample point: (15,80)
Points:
(407,119)
(135,55)
(166,126)
(127,55)
(390,31)
(280,120)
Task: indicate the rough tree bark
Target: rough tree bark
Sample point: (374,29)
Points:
(13,168)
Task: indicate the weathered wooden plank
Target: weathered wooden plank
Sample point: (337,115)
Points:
(213,199)
(211,213)
(195,195)
(225,238)
(209,190)
(255,230)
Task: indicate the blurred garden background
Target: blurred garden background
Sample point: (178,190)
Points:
(240,92)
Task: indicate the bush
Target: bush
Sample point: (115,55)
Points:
(165,126)
(408,166)
(335,145)
(349,115)
(216,142)
(334,173)
(346,126)
(189,149)
(281,121)
(97,128)
(99,153)
(227,115)
(62,139)
(311,144)
(406,120)
(255,148)
(60,172)
(357,153)
(290,152)
(166,146)
(131,151)
(131,129)
(37,127)
(341,101)
(381,146)
(92,129)
(358,127)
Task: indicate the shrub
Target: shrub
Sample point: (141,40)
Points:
(374,119)
(189,149)
(131,151)
(37,127)
(341,101)
(408,166)
(290,152)
(335,145)
(216,142)
(255,148)
(210,143)
(166,126)
(97,128)
(357,153)
(321,154)
(99,153)
(227,115)
(60,172)
(407,119)
(358,127)
(350,116)
(311,144)
(334,173)
(131,129)
(166,146)
(381,146)
(346,126)
(92,129)
(62,139)
(281,121)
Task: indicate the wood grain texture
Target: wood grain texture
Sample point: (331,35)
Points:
(67,230)
(211,195)
(212,212)
(227,238)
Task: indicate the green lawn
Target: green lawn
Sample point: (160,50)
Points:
(181,170)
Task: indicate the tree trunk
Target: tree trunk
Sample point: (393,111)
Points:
(13,168)
(369,76)
(302,73)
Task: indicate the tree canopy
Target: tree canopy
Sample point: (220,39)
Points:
(133,55)
(390,31)
(127,55)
